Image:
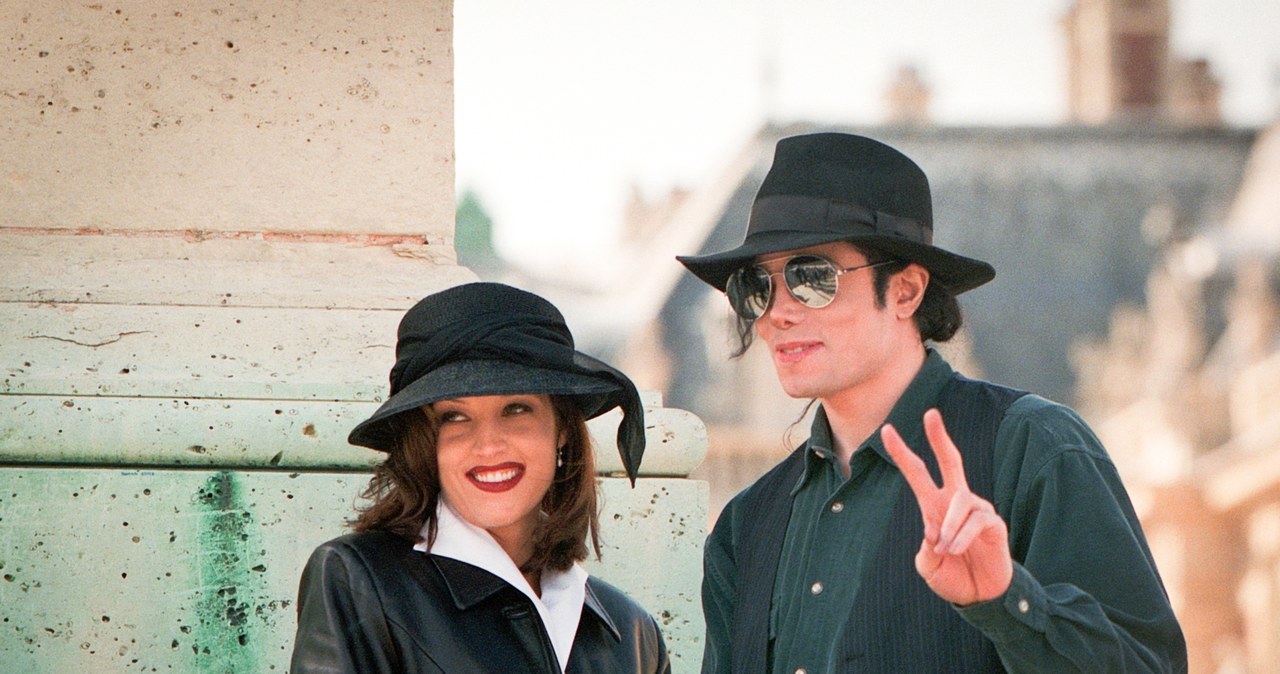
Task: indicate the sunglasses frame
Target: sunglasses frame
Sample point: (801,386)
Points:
(770,288)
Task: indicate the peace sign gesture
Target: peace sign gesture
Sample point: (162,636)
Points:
(964,557)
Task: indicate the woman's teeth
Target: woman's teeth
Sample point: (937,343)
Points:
(496,475)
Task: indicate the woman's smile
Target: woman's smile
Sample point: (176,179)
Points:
(499,478)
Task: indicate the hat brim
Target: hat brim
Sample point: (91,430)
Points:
(464,378)
(956,273)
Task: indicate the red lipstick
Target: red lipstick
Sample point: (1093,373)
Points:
(497,478)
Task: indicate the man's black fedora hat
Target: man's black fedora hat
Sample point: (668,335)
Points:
(482,339)
(826,187)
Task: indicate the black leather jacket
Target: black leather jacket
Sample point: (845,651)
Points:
(369,604)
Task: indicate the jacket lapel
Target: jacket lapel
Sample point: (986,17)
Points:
(593,606)
(468,585)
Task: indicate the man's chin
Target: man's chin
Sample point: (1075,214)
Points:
(801,390)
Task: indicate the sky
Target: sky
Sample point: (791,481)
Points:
(563,107)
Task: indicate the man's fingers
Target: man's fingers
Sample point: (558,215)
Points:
(958,510)
(968,517)
(913,469)
(978,524)
(949,461)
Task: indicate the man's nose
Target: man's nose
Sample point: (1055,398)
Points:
(784,309)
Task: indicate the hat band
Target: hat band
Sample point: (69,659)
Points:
(798,213)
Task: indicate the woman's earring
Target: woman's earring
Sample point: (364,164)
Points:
(560,458)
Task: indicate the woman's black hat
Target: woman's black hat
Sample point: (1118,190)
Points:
(826,187)
(491,339)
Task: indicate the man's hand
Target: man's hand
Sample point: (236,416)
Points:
(964,557)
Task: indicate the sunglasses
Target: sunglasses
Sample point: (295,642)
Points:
(810,279)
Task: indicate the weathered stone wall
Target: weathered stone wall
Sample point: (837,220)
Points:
(299,116)
(195,568)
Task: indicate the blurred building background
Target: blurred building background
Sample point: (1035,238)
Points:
(1137,280)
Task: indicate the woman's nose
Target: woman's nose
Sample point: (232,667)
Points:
(489,438)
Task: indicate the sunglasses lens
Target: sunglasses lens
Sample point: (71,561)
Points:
(748,290)
(811,280)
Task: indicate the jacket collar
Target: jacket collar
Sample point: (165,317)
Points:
(470,585)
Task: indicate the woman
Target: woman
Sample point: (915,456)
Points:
(466,558)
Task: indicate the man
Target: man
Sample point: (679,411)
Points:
(848,556)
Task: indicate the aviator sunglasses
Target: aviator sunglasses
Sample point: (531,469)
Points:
(810,279)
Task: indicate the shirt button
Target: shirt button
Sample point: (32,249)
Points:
(837,507)
(816,588)
(1023,606)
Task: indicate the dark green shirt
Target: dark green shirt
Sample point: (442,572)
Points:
(1085,594)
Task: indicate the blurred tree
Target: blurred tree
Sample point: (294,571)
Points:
(473,236)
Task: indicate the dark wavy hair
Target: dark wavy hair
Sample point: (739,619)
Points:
(405,489)
(938,317)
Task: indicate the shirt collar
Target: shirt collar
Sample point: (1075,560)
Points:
(563,592)
(907,416)
(817,449)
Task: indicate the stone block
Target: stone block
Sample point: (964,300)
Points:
(164,570)
(103,569)
(652,548)
(213,116)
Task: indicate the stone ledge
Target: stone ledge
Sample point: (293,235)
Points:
(267,434)
(280,353)
(261,269)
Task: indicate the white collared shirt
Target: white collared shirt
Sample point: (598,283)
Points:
(563,592)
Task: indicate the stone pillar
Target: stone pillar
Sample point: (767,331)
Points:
(211,219)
